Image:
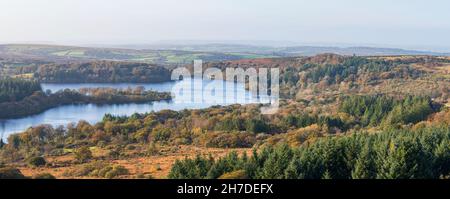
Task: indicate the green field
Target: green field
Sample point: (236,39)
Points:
(56,53)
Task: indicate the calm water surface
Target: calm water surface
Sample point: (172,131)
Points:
(64,115)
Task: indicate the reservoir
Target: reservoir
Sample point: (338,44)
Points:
(188,94)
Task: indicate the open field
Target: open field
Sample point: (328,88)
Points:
(158,166)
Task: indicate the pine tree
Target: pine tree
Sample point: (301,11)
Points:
(365,164)
(327,175)
(442,160)
(294,170)
(404,160)
(334,159)
(277,162)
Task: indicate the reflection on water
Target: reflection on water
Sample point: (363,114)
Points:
(64,115)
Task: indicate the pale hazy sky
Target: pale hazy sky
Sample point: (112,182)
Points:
(402,23)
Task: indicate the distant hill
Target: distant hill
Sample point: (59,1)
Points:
(179,54)
(360,51)
(285,51)
(63,54)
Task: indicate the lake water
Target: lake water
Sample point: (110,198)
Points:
(188,95)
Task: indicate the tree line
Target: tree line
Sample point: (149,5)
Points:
(101,72)
(382,109)
(40,101)
(13,89)
(395,154)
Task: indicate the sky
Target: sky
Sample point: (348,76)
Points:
(413,24)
